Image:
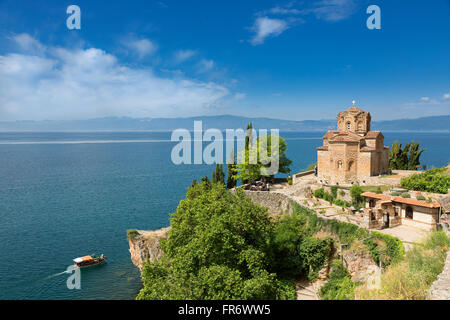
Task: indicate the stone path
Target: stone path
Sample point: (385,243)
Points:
(307,290)
(440,289)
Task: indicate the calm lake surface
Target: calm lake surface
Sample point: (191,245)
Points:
(64,195)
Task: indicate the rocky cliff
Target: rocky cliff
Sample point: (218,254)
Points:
(145,245)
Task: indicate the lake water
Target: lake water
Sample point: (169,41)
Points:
(64,195)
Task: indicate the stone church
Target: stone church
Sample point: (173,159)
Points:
(353,152)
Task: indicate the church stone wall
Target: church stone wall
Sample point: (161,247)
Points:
(354,153)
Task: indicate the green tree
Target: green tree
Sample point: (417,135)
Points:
(231,168)
(406,158)
(357,198)
(252,167)
(218,248)
(218,176)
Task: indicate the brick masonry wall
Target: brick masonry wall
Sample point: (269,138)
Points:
(277,203)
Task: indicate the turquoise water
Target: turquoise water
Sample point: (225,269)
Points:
(63,195)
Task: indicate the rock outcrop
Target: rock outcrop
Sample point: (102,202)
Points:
(146,246)
(359,264)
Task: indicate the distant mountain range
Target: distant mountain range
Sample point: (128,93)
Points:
(435,123)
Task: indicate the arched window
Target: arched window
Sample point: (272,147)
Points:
(360,126)
(339,164)
(350,165)
(409,213)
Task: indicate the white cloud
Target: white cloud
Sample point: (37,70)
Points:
(239,96)
(141,47)
(183,55)
(265,27)
(425,99)
(205,65)
(28,43)
(284,10)
(334,10)
(446,96)
(80,84)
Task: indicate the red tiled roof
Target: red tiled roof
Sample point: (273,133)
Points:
(417,202)
(401,200)
(345,136)
(376,196)
(367,149)
(325,148)
(372,134)
(329,134)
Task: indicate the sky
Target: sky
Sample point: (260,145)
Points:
(293,60)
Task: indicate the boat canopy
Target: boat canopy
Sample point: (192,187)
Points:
(82,259)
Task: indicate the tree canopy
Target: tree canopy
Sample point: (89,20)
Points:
(251,164)
(406,158)
(223,246)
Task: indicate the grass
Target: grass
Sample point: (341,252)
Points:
(411,277)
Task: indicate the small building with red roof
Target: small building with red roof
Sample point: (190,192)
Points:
(384,211)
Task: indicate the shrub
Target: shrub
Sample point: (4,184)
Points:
(420,197)
(379,191)
(132,233)
(434,180)
(318,193)
(334,190)
(328,197)
(342,193)
(385,247)
(339,285)
(355,193)
(339,202)
(411,278)
(405,195)
(395,194)
(289,180)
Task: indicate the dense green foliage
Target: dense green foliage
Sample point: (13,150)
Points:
(339,285)
(384,248)
(389,248)
(433,180)
(357,198)
(411,277)
(218,176)
(231,169)
(296,250)
(405,195)
(407,158)
(331,197)
(251,166)
(223,246)
(131,233)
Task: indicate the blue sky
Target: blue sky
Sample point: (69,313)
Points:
(282,59)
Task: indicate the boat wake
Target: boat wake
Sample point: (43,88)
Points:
(57,274)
